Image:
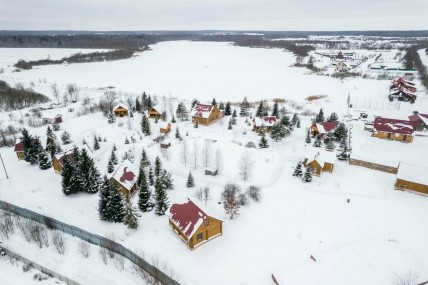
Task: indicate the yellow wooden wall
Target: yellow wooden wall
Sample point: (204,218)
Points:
(120,110)
(398,137)
(411,186)
(213,228)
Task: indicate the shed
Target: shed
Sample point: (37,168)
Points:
(211,171)
(121,110)
(192,222)
(412,177)
(125,176)
(165,144)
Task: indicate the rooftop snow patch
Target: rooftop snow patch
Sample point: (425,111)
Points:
(394,126)
(320,155)
(120,105)
(413,173)
(126,174)
(326,127)
(201,110)
(268,121)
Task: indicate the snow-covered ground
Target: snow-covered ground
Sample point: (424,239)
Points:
(292,221)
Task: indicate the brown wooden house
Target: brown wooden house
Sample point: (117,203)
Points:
(412,177)
(323,128)
(206,114)
(192,224)
(392,129)
(319,160)
(58,159)
(165,127)
(121,110)
(155,112)
(125,177)
(266,122)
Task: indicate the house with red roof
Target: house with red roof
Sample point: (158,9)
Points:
(421,121)
(58,159)
(205,114)
(393,129)
(125,177)
(401,82)
(267,122)
(192,223)
(19,147)
(323,128)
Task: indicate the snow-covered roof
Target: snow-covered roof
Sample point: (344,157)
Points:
(201,110)
(268,121)
(394,126)
(326,127)
(188,217)
(126,174)
(401,89)
(163,125)
(159,108)
(67,153)
(120,105)
(413,173)
(320,155)
(418,116)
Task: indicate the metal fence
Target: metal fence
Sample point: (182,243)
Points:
(106,243)
(36,266)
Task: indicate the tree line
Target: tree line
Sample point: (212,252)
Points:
(12,98)
(81,58)
(412,60)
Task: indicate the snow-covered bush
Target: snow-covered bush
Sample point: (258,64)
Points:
(254,193)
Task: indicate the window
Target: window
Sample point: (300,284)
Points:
(207,222)
(199,237)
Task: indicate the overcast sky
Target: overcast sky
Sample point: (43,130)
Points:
(213,14)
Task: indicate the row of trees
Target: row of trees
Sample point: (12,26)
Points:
(33,151)
(18,97)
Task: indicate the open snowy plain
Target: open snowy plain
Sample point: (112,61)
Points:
(379,235)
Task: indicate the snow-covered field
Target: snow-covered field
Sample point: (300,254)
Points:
(292,221)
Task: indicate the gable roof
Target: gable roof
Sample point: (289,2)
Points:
(319,155)
(394,126)
(412,173)
(416,117)
(158,108)
(202,110)
(126,174)
(326,127)
(267,121)
(188,217)
(120,105)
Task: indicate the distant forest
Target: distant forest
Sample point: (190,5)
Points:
(12,98)
(81,58)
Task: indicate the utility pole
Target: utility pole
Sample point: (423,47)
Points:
(4,167)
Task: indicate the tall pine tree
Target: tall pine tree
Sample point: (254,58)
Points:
(115,205)
(103,203)
(298,170)
(144,198)
(161,199)
(263,142)
(67,174)
(190,182)
(130,214)
(44,162)
(308,175)
(227,109)
(259,112)
(158,166)
(275,110)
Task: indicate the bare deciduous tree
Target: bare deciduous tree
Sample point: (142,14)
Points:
(73,91)
(55,91)
(109,98)
(206,153)
(184,151)
(408,278)
(84,248)
(119,262)
(245,165)
(195,154)
(58,241)
(206,194)
(219,161)
(103,254)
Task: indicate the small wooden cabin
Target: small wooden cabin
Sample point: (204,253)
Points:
(192,223)
(121,110)
(19,149)
(319,160)
(58,159)
(155,112)
(323,128)
(267,122)
(412,177)
(165,127)
(206,114)
(393,129)
(125,177)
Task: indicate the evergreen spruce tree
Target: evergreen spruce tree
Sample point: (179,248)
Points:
(317,142)
(151,177)
(278,132)
(149,103)
(227,109)
(330,145)
(177,133)
(344,144)
(263,142)
(131,114)
(165,179)
(233,119)
(308,175)
(320,117)
(141,176)
(27,142)
(91,175)
(181,112)
(173,119)
(298,170)
(116,207)
(50,138)
(161,199)
(234,114)
(340,132)
(230,124)
(196,125)
(275,111)
(259,112)
(298,124)
(244,108)
(96,143)
(113,156)
(56,127)
(329,137)
(67,174)
(110,166)
(145,125)
(190,182)
(65,137)
(34,151)
(144,202)
(137,105)
(77,180)
(103,203)
(333,117)
(99,138)
(144,159)
(221,106)
(214,102)
(111,118)
(114,147)
(294,120)
(130,214)
(158,166)
(44,162)
(126,140)
(194,102)
(285,121)
(308,137)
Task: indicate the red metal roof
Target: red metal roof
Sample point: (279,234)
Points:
(127,175)
(18,146)
(187,217)
(329,126)
(394,126)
